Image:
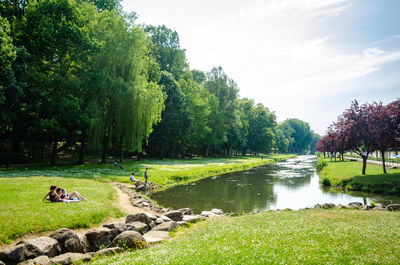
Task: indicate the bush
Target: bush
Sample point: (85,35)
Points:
(326,182)
(320,165)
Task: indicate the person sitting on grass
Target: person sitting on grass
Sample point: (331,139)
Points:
(53,196)
(63,195)
(132,178)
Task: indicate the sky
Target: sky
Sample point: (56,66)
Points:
(305,59)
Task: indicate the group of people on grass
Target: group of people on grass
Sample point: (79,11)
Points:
(60,195)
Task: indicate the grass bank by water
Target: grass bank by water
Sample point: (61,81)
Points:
(347,174)
(286,237)
(22,189)
(22,210)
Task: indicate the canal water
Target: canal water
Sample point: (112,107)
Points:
(290,184)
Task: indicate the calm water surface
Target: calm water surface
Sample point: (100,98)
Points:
(290,184)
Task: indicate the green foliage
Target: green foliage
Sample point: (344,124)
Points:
(326,182)
(284,237)
(320,165)
(299,135)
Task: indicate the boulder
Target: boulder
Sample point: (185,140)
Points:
(159,221)
(183,223)
(141,217)
(156,236)
(186,211)
(13,254)
(191,218)
(355,204)
(217,211)
(393,207)
(325,206)
(129,239)
(108,251)
(137,226)
(42,260)
(40,246)
(165,219)
(167,226)
(366,207)
(99,237)
(175,215)
(339,206)
(68,241)
(70,258)
(208,214)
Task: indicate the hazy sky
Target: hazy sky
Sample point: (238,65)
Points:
(305,59)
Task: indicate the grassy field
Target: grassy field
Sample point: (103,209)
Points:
(165,172)
(22,189)
(286,237)
(22,210)
(347,174)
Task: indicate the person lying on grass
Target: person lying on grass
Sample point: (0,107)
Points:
(54,197)
(63,194)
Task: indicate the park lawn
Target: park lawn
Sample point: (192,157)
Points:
(285,237)
(22,210)
(167,172)
(347,174)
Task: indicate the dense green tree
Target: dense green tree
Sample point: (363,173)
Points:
(260,138)
(281,143)
(298,133)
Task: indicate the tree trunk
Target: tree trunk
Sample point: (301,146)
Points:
(324,155)
(53,153)
(342,156)
(331,156)
(81,159)
(383,161)
(104,152)
(364,158)
(335,156)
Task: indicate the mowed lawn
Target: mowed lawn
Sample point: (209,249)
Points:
(285,237)
(348,174)
(22,189)
(22,210)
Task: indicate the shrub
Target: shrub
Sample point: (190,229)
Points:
(326,182)
(320,165)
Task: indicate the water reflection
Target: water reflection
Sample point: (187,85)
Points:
(291,184)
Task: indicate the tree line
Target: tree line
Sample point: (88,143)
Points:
(80,76)
(364,129)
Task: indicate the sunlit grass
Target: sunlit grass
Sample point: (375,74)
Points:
(348,174)
(287,237)
(22,210)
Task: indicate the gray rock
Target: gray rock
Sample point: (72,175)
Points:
(71,258)
(138,226)
(217,211)
(156,236)
(141,217)
(13,254)
(68,241)
(186,211)
(159,221)
(99,237)
(191,218)
(152,216)
(366,208)
(325,206)
(42,260)
(208,214)
(40,246)
(167,226)
(165,218)
(108,251)
(393,207)
(357,204)
(129,239)
(341,206)
(183,223)
(175,215)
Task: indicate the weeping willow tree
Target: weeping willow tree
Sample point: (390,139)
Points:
(129,102)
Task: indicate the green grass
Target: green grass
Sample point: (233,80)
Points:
(347,174)
(286,237)
(165,172)
(22,189)
(22,210)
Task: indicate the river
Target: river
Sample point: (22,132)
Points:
(292,184)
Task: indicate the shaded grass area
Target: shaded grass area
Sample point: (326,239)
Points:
(286,237)
(347,174)
(165,172)
(22,210)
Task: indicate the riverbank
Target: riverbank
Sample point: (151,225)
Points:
(347,175)
(314,236)
(22,189)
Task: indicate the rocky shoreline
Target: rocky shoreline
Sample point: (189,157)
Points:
(139,231)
